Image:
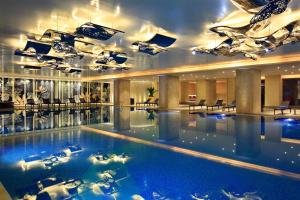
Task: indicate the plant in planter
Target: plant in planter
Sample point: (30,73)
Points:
(151,91)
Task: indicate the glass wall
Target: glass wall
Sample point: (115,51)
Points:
(96,90)
(106,93)
(43,90)
(7,90)
(19,90)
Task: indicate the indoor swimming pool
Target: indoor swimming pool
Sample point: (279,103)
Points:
(122,153)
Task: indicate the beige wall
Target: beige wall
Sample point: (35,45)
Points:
(221,90)
(273,90)
(248,91)
(187,88)
(138,90)
(206,89)
(168,92)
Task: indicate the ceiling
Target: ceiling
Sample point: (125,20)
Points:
(185,19)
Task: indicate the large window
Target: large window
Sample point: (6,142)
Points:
(106,93)
(19,91)
(7,92)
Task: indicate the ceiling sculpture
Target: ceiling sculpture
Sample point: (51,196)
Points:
(89,36)
(157,44)
(71,51)
(258,27)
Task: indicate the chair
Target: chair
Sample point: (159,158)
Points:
(146,103)
(218,104)
(155,103)
(83,102)
(285,105)
(46,102)
(231,105)
(201,104)
(72,101)
(31,103)
(59,103)
(95,101)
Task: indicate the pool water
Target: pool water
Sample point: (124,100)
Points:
(141,171)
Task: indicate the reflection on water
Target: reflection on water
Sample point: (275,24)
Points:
(24,121)
(134,171)
(101,167)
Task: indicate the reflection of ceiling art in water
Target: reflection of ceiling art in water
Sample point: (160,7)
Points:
(260,26)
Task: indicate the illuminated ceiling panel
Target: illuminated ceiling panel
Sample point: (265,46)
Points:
(264,27)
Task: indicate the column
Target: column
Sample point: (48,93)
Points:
(273,90)
(248,91)
(231,90)
(121,92)
(184,91)
(168,92)
(206,89)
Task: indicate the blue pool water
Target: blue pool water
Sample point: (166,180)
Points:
(151,172)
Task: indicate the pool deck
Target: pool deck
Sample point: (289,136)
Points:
(3,193)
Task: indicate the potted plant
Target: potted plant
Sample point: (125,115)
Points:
(151,91)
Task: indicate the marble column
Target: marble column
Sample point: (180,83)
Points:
(248,91)
(231,90)
(273,90)
(206,89)
(168,92)
(121,92)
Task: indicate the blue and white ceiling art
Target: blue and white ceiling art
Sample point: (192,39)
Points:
(258,27)
(64,45)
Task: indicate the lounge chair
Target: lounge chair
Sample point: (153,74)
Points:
(146,103)
(231,105)
(201,104)
(94,101)
(285,105)
(72,102)
(218,104)
(83,102)
(59,103)
(46,102)
(30,103)
(154,103)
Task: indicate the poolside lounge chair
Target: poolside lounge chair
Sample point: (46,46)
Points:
(285,105)
(231,105)
(30,103)
(154,103)
(201,104)
(218,104)
(59,103)
(146,103)
(95,101)
(46,102)
(72,102)
(83,102)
